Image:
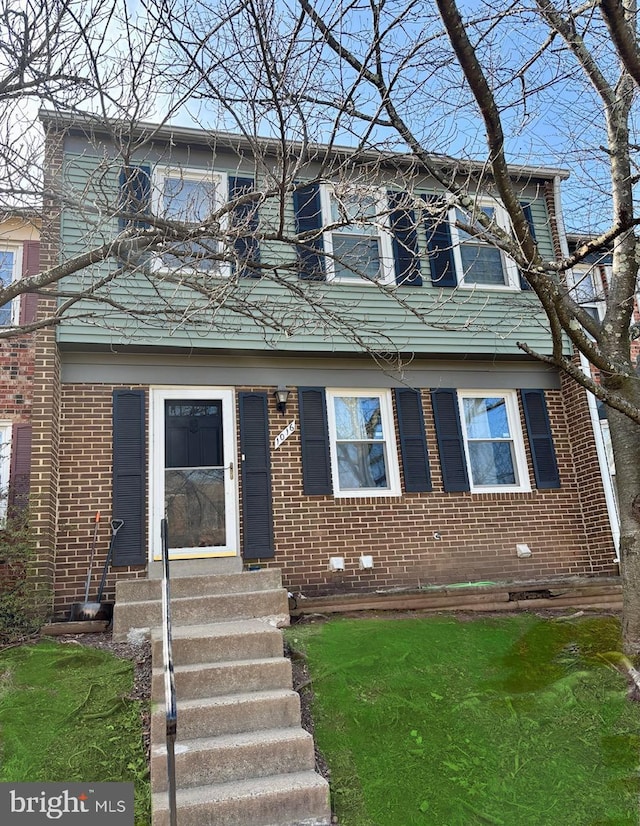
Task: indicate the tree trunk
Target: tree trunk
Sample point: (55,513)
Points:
(625,439)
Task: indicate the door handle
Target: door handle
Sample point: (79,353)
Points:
(231,471)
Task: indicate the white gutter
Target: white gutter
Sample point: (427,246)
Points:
(607,483)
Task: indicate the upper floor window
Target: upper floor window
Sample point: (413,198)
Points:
(363,450)
(361,247)
(493,441)
(191,196)
(589,290)
(477,262)
(10,270)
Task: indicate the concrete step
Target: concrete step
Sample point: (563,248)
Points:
(299,799)
(142,590)
(215,679)
(271,605)
(232,640)
(197,567)
(209,760)
(230,713)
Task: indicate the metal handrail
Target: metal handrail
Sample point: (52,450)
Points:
(171,711)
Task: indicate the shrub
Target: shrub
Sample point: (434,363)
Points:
(21,603)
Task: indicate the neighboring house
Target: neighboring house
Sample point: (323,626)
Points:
(19,256)
(470,462)
(590,282)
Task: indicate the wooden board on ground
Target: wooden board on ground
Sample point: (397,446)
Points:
(56,629)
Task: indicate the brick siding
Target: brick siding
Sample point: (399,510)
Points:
(46,389)
(567,529)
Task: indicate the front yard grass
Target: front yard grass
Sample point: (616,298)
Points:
(437,721)
(66,716)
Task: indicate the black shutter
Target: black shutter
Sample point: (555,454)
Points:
(406,256)
(246,247)
(20,470)
(129,476)
(543,454)
(526,208)
(257,514)
(135,195)
(450,443)
(314,437)
(30,266)
(440,245)
(308,212)
(413,443)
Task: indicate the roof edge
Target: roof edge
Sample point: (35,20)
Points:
(145,131)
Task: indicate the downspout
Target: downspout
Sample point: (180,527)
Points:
(607,484)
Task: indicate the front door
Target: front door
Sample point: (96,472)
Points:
(193,472)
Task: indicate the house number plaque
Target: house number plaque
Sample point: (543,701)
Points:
(284,435)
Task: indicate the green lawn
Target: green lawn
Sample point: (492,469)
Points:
(440,722)
(65,716)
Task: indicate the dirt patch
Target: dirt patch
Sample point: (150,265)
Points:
(302,684)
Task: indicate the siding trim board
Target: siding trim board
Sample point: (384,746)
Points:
(258,371)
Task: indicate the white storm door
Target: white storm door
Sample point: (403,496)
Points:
(193,472)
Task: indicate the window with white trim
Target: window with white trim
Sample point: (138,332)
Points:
(478,263)
(364,459)
(10,270)
(191,196)
(588,290)
(5,464)
(493,441)
(360,249)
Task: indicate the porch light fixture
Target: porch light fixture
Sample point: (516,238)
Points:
(281,394)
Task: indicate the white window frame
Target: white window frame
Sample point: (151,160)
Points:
(385,241)
(391,450)
(17,249)
(221,181)
(509,266)
(582,271)
(523,483)
(5,466)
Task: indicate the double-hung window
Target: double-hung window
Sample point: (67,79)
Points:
(588,289)
(363,450)
(190,197)
(358,244)
(478,263)
(493,441)
(10,270)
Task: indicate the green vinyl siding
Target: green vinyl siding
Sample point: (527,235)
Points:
(541,224)
(425,320)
